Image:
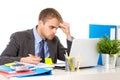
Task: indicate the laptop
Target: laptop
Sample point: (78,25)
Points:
(85,49)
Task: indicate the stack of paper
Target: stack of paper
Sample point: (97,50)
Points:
(9,72)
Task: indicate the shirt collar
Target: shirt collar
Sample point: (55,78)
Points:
(36,35)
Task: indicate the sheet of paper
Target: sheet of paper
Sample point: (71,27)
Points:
(43,65)
(60,63)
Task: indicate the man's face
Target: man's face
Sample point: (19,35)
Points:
(48,29)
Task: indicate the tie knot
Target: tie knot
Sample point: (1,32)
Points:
(42,41)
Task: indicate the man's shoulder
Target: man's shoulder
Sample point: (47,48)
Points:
(23,33)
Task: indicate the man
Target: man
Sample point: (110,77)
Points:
(23,45)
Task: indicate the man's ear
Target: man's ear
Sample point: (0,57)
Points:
(40,22)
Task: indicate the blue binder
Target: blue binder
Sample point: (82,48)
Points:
(98,31)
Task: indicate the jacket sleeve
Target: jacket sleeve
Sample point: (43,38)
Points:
(69,44)
(62,50)
(10,52)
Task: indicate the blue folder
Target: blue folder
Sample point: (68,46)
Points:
(7,71)
(38,72)
(99,30)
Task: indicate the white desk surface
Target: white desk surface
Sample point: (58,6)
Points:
(96,73)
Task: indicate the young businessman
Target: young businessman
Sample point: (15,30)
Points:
(24,44)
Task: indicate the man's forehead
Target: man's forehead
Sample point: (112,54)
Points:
(52,23)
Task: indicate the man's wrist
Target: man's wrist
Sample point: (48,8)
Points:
(70,39)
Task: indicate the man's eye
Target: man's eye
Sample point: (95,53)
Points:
(52,27)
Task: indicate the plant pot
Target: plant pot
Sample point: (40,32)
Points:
(118,61)
(109,61)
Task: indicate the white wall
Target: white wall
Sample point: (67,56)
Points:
(17,15)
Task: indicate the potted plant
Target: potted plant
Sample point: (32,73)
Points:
(109,50)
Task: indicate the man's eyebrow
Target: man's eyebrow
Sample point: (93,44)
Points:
(53,26)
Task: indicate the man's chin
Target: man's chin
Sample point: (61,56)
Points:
(50,38)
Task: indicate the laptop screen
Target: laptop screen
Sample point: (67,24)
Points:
(85,49)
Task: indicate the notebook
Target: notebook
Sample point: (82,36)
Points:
(85,49)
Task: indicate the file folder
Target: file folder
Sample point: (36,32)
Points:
(37,72)
(8,72)
(99,30)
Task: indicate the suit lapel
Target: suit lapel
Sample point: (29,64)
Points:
(52,49)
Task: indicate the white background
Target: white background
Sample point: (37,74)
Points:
(17,15)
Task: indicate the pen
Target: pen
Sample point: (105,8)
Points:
(32,56)
(67,68)
(66,54)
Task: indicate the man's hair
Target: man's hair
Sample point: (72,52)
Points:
(50,13)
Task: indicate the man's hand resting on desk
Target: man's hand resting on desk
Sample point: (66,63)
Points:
(31,59)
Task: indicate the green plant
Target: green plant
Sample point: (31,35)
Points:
(107,46)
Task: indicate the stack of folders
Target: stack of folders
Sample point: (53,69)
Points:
(21,70)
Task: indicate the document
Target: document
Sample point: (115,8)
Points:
(60,63)
(112,33)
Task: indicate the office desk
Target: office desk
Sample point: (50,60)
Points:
(96,73)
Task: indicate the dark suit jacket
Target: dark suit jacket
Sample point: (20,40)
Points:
(22,43)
